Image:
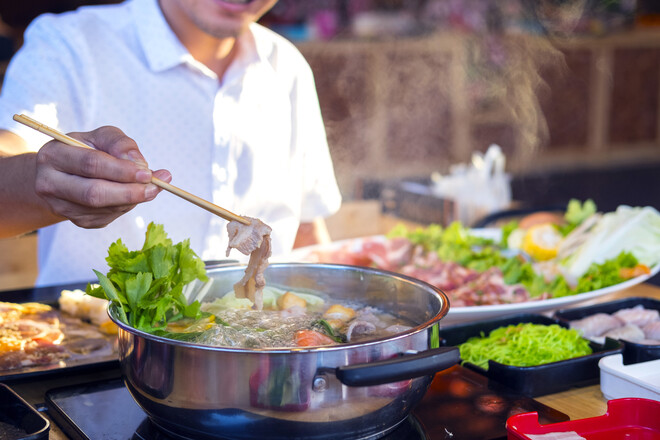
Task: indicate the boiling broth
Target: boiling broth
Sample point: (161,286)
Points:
(319,322)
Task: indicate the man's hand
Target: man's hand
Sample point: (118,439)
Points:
(90,187)
(93,187)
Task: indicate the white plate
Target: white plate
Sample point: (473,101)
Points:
(477,313)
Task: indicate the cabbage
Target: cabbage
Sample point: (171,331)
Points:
(229,301)
(632,229)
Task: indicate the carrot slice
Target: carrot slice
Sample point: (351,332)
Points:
(310,338)
(632,272)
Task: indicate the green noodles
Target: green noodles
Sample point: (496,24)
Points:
(524,345)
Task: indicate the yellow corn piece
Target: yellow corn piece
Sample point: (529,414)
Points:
(541,242)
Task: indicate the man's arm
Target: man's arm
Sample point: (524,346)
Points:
(22,211)
(91,188)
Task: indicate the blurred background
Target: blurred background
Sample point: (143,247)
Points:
(568,89)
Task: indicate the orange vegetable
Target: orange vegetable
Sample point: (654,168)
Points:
(632,272)
(311,338)
(540,218)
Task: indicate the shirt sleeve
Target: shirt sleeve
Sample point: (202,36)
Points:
(43,81)
(321,195)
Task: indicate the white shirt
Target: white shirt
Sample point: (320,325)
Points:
(253,143)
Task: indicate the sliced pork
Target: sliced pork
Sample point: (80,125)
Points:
(596,325)
(628,332)
(463,286)
(652,330)
(638,315)
(361,328)
(252,240)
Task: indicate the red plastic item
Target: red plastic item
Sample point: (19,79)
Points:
(630,419)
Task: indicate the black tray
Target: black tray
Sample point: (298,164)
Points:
(18,419)
(49,295)
(537,380)
(633,352)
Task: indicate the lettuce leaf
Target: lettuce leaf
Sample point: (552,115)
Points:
(628,229)
(146,286)
(576,213)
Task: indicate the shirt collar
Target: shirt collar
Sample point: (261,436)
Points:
(163,50)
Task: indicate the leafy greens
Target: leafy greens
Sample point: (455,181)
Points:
(524,345)
(146,286)
(455,243)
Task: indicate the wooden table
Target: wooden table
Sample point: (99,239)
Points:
(580,403)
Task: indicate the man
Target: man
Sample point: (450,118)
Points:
(226,106)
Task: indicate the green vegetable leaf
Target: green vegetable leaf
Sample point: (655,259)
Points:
(507,229)
(577,212)
(147,285)
(119,256)
(136,287)
(117,298)
(156,235)
(162,264)
(457,244)
(327,329)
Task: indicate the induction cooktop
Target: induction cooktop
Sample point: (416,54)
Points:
(460,404)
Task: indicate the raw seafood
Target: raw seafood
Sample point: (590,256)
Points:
(638,315)
(596,325)
(629,332)
(652,330)
(635,324)
(252,240)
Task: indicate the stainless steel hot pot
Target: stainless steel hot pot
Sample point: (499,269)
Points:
(351,391)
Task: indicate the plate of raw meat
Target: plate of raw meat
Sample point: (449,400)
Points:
(473,294)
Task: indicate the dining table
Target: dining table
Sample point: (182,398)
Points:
(586,402)
(576,403)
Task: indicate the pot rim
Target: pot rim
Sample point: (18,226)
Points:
(432,290)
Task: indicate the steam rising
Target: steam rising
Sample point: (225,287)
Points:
(420,106)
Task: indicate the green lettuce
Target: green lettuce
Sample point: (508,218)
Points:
(576,213)
(628,229)
(146,286)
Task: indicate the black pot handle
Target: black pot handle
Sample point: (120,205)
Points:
(399,368)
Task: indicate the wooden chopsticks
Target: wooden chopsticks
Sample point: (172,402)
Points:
(205,204)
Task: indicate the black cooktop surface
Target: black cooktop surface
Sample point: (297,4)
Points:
(460,404)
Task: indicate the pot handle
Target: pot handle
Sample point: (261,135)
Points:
(399,368)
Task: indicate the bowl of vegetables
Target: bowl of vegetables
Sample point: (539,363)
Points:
(529,353)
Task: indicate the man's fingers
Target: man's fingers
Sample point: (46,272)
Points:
(86,218)
(93,193)
(114,142)
(163,175)
(91,163)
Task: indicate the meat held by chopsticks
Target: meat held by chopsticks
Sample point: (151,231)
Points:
(252,240)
